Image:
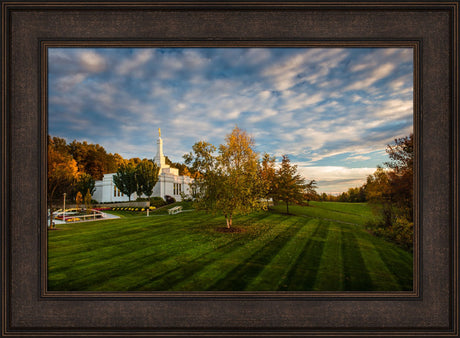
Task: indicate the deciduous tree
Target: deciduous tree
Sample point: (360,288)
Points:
(267,176)
(125,179)
(62,173)
(146,178)
(239,184)
(84,183)
(227,183)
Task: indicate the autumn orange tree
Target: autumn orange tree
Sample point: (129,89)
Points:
(62,174)
(390,192)
(391,189)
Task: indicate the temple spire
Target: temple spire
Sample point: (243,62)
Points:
(160,158)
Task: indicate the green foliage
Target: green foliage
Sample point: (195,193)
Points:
(390,191)
(157,202)
(146,176)
(125,179)
(92,158)
(267,176)
(88,201)
(84,183)
(401,232)
(353,195)
(291,187)
(227,183)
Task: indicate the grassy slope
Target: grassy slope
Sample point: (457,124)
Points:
(184,252)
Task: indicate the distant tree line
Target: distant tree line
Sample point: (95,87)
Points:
(352,195)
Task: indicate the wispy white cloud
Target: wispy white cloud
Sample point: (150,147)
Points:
(335,179)
(92,61)
(134,63)
(321,106)
(369,79)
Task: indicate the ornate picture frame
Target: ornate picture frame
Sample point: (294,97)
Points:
(29,28)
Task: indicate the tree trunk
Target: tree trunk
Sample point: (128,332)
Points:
(229,221)
(287,207)
(51,215)
(148,207)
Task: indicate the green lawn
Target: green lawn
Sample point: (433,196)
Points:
(321,247)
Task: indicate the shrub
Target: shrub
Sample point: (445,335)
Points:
(400,232)
(157,202)
(170,199)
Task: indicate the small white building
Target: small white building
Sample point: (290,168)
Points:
(169,182)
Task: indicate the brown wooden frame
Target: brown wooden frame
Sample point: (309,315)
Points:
(29,28)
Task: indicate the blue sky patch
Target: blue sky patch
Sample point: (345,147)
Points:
(332,110)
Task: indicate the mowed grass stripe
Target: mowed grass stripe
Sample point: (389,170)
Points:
(114,244)
(120,262)
(358,213)
(182,272)
(185,252)
(108,249)
(241,276)
(117,259)
(330,273)
(302,274)
(275,272)
(381,276)
(356,276)
(160,274)
(210,275)
(155,256)
(398,262)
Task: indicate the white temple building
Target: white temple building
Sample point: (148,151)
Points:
(169,182)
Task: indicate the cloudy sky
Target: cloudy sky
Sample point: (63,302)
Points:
(332,110)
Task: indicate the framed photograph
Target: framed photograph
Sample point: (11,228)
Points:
(357,103)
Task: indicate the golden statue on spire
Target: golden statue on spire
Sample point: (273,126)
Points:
(159,132)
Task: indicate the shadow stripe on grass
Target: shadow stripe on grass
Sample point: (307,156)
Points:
(356,276)
(330,271)
(302,275)
(182,272)
(402,272)
(274,273)
(178,266)
(204,279)
(107,250)
(242,275)
(115,266)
